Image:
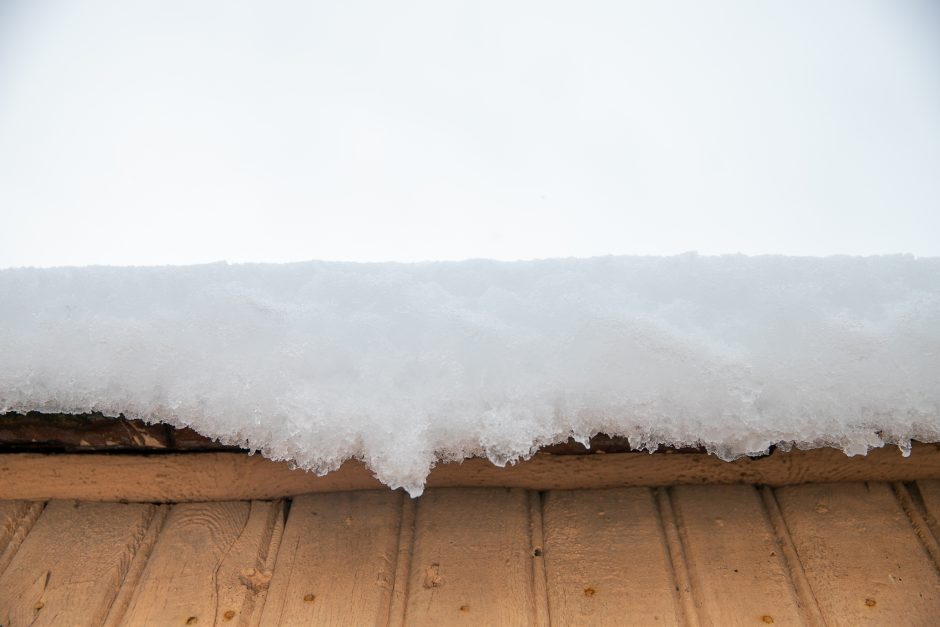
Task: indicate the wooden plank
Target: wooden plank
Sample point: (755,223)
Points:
(238,476)
(472,559)
(606,560)
(337,561)
(930,496)
(860,554)
(918,517)
(539,577)
(207,565)
(688,610)
(70,566)
(406,538)
(736,568)
(277,536)
(16,519)
(119,606)
(804,591)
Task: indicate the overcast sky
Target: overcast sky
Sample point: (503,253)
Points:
(142,132)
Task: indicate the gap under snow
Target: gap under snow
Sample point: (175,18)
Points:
(403,365)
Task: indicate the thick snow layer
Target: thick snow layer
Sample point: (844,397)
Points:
(405,364)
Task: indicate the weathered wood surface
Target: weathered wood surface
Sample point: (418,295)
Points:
(736,567)
(472,559)
(816,554)
(930,495)
(606,559)
(861,554)
(238,476)
(72,563)
(337,561)
(135,569)
(16,519)
(207,566)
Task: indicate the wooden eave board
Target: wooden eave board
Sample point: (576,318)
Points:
(231,476)
(846,553)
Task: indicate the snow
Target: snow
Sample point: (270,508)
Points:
(403,365)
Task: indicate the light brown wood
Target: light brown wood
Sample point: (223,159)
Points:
(406,542)
(16,519)
(207,565)
(854,554)
(237,476)
(119,606)
(861,555)
(11,515)
(539,576)
(471,562)
(687,609)
(917,516)
(736,568)
(801,587)
(605,559)
(269,560)
(337,561)
(930,496)
(71,564)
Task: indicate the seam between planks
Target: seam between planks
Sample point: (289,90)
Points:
(917,496)
(917,521)
(543,614)
(24,524)
(267,556)
(135,568)
(676,554)
(289,567)
(223,557)
(692,577)
(809,605)
(398,604)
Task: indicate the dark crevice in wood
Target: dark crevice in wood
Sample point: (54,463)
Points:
(669,528)
(919,522)
(267,557)
(913,489)
(791,559)
(537,548)
(37,432)
(404,555)
(142,551)
(25,520)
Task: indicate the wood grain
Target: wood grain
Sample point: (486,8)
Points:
(71,564)
(16,519)
(930,496)
(605,559)
(406,541)
(835,553)
(238,476)
(471,562)
(861,555)
(118,608)
(206,566)
(539,576)
(736,568)
(337,561)
(688,609)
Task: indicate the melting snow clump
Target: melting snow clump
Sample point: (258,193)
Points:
(403,365)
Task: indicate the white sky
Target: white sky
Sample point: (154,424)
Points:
(142,132)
